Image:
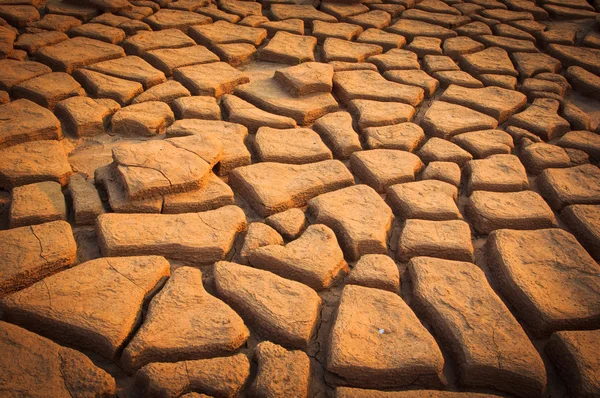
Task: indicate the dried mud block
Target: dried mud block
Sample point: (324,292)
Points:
(187,237)
(569,186)
(85,299)
(37,367)
(532,268)
(359,217)
(281,310)
(31,253)
(260,183)
(221,377)
(374,334)
(184,322)
(489,345)
(442,239)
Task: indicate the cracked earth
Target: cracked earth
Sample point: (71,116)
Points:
(300,198)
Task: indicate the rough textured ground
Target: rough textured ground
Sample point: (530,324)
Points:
(300,198)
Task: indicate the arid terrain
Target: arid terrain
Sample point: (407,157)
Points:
(300,198)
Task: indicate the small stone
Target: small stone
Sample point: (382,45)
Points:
(186,237)
(376,19)
(289,223)
(584,221)
(168,59)
(577,118)
(47,90)
(533,267)
(221,377)
(197,107)
(437,149)
(143,119)
(484,143)
(77,52)
(445,120)
(358,215)
(378,113)
(29,358)
(381,168)
(218,15)
(381,361)
(85,300)
(575,354)
(184,322)
(442,239)
(569,186)
(288,48)
(281,310)
(489,211)
(80,11)
(33,162)
(450,21)
(259,235)
(36,204)
(370,85)
(281,373)
(403,136)
(82,116)
(486,340)
(338,134)
(87,205)
(427,200)
(342,10)
(496,173)
(306,78)
(34,252)
(504,81)
(148,41)
(377,271)
(240,8)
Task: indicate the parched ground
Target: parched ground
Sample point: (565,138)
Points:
(295,198)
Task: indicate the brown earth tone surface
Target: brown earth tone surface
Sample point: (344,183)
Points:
(300,198)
